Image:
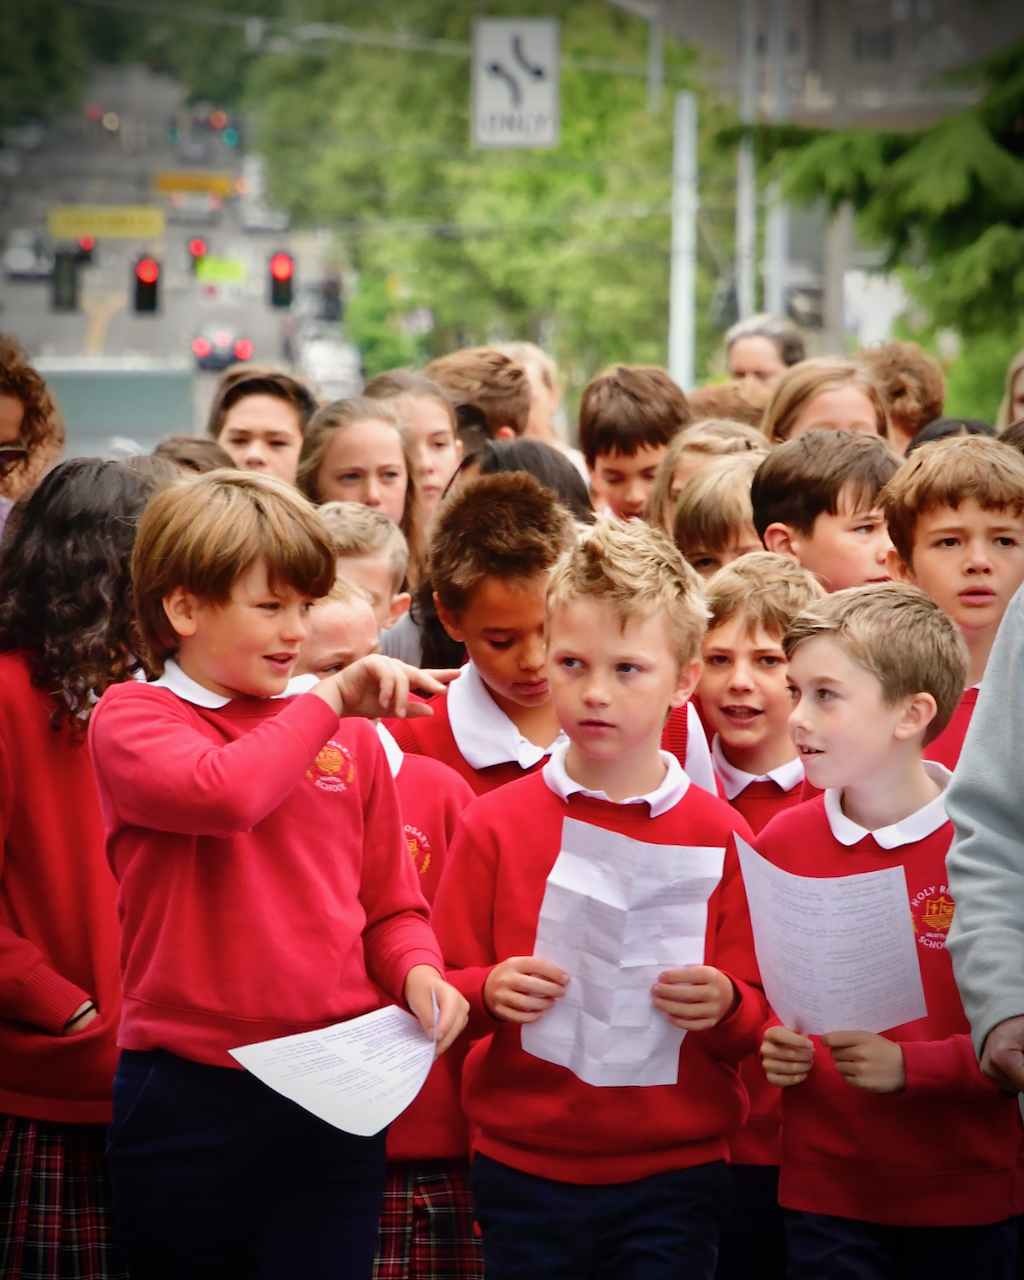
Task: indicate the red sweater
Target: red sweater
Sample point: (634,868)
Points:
(539,1117)
(945,1150)
(264,877)
(58,918)
(432,797)
(947,746)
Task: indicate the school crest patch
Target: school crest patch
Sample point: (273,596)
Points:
(419,847)
(932,910)
(333,769)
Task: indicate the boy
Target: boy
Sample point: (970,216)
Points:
(628,416)
(373,553)
(574,1178)
(265,889)
(714,521)
(490,391)
(865,1180)
(955,511)
(816,500)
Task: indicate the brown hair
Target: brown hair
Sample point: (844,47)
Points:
(799,385)
(765,590)
(397,384)
(811,475)
(203,534)
(195,454)
(640,574)
(727,400)
(714,508)
(243,380)
(931,656)
(356,530)
(42,427)
(506,525)
(1003,418)
(911,383)
(944,473)
(627,408)
(489,381)
(711,438)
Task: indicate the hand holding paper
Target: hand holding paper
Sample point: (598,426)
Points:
(695,998)
(443,1012)
(787,1056)
(867,1061)
(523,988)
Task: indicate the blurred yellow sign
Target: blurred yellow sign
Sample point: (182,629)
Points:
(105,221)
(218,184)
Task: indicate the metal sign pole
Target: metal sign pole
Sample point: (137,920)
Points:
(682,324)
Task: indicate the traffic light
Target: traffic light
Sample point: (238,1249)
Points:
(147,284)
(65,280)
(86,244)
(282,268)
(197,248)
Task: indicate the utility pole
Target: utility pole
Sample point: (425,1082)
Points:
(653,13)
(746,174)
(682,322)
(776,233)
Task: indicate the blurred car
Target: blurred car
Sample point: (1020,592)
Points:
(200,208)
(220,343)
(25,256)
(331,363)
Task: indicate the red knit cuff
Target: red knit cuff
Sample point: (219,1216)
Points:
(48,1000)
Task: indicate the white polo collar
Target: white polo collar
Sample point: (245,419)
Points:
(735,781)
(482,731)
(392,750)
(190,690)
(667,796)
(916,826)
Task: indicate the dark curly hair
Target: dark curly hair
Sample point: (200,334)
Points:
(65,582)
(42,423)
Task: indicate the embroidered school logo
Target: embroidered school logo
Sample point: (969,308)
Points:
(419,848)
(333,769)
(932,909)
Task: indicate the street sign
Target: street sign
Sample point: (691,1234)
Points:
(105,222)
(218,184)
(211,270)
(515,82)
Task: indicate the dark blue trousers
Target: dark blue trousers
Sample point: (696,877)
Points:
(216,1177)
(660,1228)
(827,1248)
(753,1240)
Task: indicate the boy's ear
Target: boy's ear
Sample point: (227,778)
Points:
(918,713)
(182,610)
(898,569)
(689,677)
(399,605)
(505,433)
(779,538)
(449,621)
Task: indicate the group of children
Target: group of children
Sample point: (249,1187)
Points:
(785,652)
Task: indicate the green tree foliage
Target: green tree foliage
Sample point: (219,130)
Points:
(569,246)
(43,63)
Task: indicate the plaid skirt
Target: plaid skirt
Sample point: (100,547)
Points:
(427,1231)
(56,1213)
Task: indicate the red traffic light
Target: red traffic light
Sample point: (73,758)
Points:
(243,348)
(197,248)
(147,271)
(87,243)
(281,266)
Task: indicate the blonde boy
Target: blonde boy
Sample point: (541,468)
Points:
(373,553)
(624,1176)
(955,511)
(714,520)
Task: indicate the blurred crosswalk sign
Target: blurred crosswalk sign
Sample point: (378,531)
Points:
(515,82)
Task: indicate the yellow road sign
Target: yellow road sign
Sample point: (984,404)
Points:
(218,184)
(105,221)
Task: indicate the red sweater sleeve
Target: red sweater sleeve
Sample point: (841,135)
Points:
(397,935)
(30,990)
(945,1068)
(201,789)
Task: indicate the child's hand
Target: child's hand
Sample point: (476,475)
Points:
(695,998)
(379,686)
(786,1056)
(867,1061)
(452,1005)
(1002,1059)
(523,988)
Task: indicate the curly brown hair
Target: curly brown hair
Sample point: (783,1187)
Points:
(42,424)
(911,382)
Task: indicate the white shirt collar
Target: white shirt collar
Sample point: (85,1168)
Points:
(190,690)
(916,826)
(482,731)
(735,781)
(666,796)
(392,750)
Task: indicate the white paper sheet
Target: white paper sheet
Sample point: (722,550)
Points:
(835,954)
(357,1075)
(616,913)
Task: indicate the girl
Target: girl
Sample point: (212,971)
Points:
(67,632)
(357,451)
(31,429)
(689,452)
(825,395)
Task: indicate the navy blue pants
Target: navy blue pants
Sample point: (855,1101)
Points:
(827,1248)
(216,1177)
(753,1240)
(660,1228)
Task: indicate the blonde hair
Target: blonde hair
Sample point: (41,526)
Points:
(765,590)
(638,572)
(715,507)
(203,534)
(931,656)
(344,592)
(1005,416)
(809,378)
(712,438)
(945,472)
(356,530)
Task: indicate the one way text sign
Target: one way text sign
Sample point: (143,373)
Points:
(515,82)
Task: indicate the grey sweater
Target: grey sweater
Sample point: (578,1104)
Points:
(985,800)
